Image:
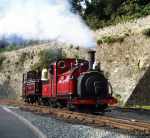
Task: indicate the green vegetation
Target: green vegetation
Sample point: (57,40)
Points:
(77,56)
(8,77)
(100,13)
(45,57)
(146,107)
(2,59)
(146,32)
(8,48)
(119,98)
(23,57)
(111,39)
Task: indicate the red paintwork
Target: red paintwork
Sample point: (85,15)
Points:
(109,101)
(31,84)
(29,88)
(65,83)
(46,90)
(84,101)
(66,77)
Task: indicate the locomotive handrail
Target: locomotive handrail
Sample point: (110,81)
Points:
(111,88)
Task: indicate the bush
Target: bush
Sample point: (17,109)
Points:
(101,13)
(99,41)
(119,98)
(2,58)
(23,57)
(146,32)
(45,57)
(110,39)
(77,56)
(94,22)
(8,48)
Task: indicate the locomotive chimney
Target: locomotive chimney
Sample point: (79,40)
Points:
(91,58)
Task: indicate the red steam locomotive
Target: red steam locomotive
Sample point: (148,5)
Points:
(70,82)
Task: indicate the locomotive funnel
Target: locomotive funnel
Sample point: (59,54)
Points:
(91,58)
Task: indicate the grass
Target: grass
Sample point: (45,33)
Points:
(145,107)
(23,58)
(9,48)
(45,57)
(146,32)
(2,58)
(111,39)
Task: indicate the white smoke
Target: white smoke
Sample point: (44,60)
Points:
(44,20)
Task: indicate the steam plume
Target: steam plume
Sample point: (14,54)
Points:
(44,20)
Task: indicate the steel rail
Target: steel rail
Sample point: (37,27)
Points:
(94,120)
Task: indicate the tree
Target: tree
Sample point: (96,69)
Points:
(3,42)
(99,13)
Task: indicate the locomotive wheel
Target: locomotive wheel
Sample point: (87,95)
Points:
(31,100)
(86,108)
(59,104)
(25,100)
(44,102)
(102,107)
(71,107)
(39,101)
(54,104)
(49,103)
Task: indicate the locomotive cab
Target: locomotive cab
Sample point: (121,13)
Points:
(31,86)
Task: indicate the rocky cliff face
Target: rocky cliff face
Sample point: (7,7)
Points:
(127,61)
(12,66)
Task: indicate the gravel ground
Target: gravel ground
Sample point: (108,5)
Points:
(55,128)
(134,114)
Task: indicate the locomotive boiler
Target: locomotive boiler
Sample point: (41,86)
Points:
(69,82)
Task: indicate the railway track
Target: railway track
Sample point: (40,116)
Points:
(89,119)
(83,118)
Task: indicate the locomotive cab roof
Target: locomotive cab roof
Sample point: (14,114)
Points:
(67,64)
(66,60)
